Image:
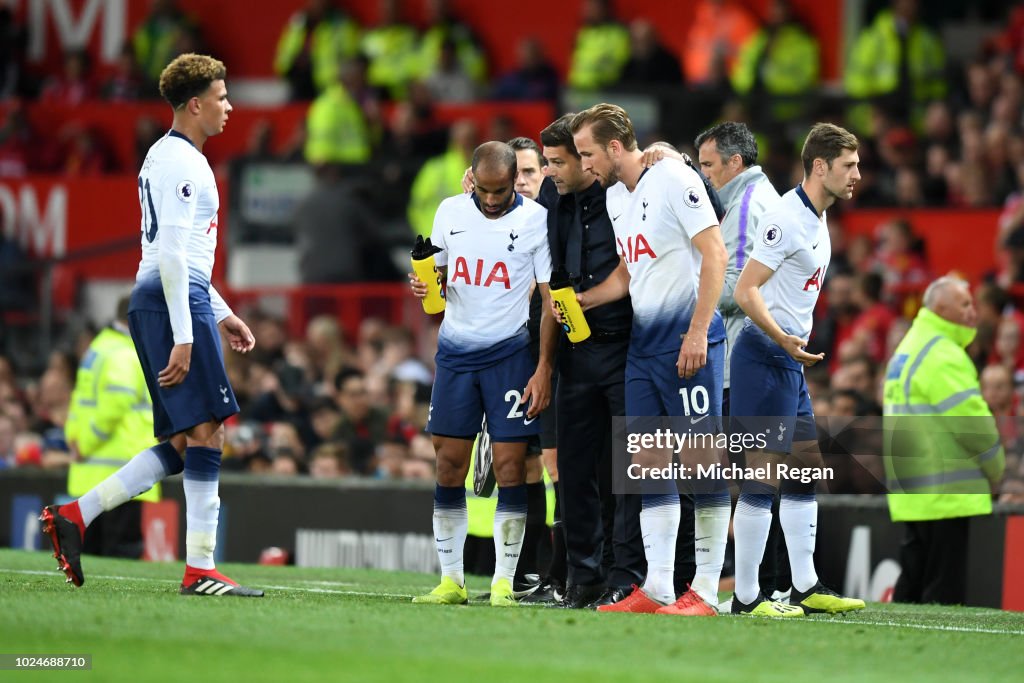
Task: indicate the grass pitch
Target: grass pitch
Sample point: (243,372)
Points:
(359,625)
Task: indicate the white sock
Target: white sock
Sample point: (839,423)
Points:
(451,522)
(798,514)
(137,476)
(711,534)
(750,527)
(509,530)
(659,525)
(202,505)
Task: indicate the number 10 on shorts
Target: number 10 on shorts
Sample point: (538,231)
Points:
(695,400)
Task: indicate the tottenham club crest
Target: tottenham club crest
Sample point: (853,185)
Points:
(692,198)
(185,190)
(772,235)
(513,237)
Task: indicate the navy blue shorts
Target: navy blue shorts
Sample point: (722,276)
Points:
(460,400)
(768,392)
(654,387)
(205,394)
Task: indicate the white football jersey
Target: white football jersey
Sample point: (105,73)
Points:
(793,241)
(653,227)
(179,199)
(491,265)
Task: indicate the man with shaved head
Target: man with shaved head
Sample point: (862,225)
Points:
(943,453)
(494,245)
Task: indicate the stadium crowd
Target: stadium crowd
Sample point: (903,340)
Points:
(934,134)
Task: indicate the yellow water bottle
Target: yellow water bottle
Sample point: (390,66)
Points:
(423,265)
(573,321)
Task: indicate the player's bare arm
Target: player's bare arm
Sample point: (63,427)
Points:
(748,296)
(537,394)
(693,352)
(240,337)
(613,288)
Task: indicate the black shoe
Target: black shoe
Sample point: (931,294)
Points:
(67,543)
(579,597)
(549,592)
(611,596)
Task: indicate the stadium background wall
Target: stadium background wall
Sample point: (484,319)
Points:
(384,525)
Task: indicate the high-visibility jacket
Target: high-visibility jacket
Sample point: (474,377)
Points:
(873,68)
(438,179)
(466,51)
(941,445)
(111,414)
(393,51)
(334,38)
(600,53)
(336,130)
(787,62)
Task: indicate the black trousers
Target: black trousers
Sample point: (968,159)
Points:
(934,561)
(116,533)
(591,390)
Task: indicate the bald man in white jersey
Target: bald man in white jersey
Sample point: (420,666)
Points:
(494,246)
(672,266)
(176,318)
(778,289)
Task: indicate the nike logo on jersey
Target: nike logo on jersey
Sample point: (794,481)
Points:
(456,232)
(815,245)
(695,420)
(615,218)
(528,421)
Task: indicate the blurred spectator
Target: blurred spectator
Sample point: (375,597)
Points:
(601,49)
(902,265)
(74,85)
(286,463)
(312,45)
(391,46)
(1010,41)
(836,325)
(362,425)
(325,416)
(1008,350)
(84,151)
(403,152)
(13,39)
(159,38)
(338,236)
(449,82)
(337,130)
(16,143)
(534,79)
(443,27)
(441,177)
(719,29)
(147,132)
(780,60)
(243,442)
(897,61)
(329,461)
(8,431)
(328,350)
(125,83)
(285,398)
(872,324)
(649,62)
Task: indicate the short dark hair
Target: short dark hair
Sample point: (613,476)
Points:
(559,134)
(731,138)
(495,153)
(826,141)
(188,76)
(607,122)
(523,144)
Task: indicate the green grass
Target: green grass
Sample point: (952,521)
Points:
(358,625)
